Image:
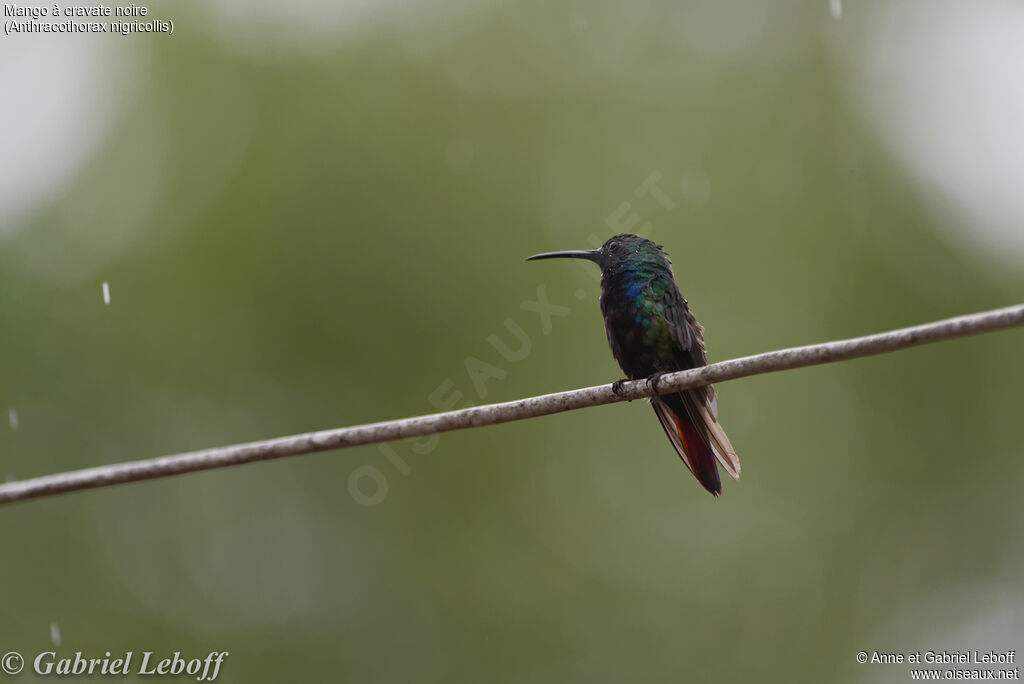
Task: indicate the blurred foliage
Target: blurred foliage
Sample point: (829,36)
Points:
(298,240)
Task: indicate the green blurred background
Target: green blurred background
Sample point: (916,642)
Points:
(316,215)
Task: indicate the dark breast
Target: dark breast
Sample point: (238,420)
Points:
(627,336)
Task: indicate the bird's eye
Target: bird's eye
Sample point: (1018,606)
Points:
(613,246)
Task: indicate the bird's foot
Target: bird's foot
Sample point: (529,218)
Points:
(617,386)
(653,380)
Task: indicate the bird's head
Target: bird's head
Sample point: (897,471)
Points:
(620,251)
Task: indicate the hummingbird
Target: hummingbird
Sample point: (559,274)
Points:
(651,332)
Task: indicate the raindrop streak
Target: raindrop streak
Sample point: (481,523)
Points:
(836,8)
(106,292)
(12,418)
(55,634)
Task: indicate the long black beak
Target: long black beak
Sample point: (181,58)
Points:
(589,254)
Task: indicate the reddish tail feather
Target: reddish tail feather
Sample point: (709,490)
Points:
(705,466)
(688,439)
